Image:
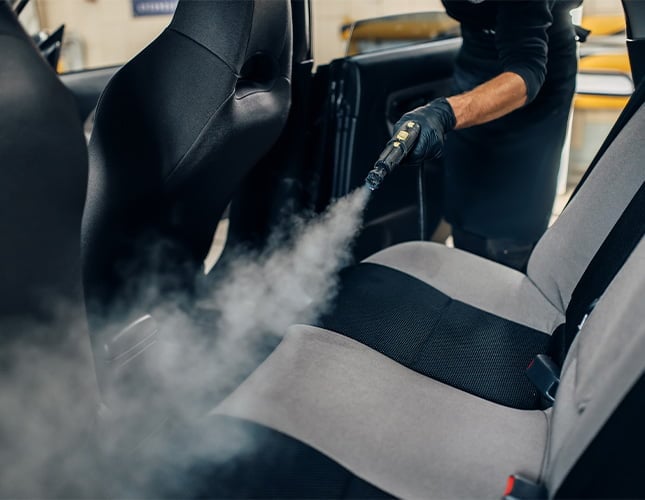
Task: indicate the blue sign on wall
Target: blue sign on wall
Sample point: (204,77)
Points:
(153,7)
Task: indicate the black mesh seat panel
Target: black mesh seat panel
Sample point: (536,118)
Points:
(427,331)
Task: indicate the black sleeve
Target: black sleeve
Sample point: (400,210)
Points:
(522,41)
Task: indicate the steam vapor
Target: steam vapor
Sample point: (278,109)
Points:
(46,445)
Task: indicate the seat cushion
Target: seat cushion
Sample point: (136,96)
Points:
(426,441)
(437,331)
(483,284)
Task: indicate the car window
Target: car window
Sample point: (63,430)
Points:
(97,33)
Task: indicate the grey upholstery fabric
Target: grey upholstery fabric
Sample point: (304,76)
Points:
(565,250)
(611,342)
(426,441)
(558,261)
(560,258)
(478,282)
(417,438)
(347,401)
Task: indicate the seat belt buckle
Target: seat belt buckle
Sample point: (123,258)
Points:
(545,376)
(520,488)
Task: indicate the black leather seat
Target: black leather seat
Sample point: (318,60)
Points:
(43,179)
(45,360)
(176,131)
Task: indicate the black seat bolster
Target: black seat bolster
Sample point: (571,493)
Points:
(248,460)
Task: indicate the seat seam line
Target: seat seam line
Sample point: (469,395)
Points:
(210,51)
(545,297)
(197,139)
(427,339)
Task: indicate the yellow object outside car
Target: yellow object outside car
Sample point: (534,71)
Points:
(604,81)
(605,54)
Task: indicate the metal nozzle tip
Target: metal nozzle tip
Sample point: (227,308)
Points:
(374,179)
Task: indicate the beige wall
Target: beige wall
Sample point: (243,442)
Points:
(106,33)
(109,33)
(107,30)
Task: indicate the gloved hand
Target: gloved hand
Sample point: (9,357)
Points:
(436,119)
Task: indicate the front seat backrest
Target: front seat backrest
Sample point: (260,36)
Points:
(176,130)
(43,177)
(47,384)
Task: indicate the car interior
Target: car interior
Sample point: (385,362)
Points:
(434,374)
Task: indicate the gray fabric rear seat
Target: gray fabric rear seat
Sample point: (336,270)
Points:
(474,324)
(413,436)
(561,256)
(405,433)
(605,360)
(417,438)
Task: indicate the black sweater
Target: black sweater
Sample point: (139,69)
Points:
(511,35)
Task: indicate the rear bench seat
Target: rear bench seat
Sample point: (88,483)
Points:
(475,324)
(379,416)
(414,437)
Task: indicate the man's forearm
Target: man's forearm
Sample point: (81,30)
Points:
(490,100)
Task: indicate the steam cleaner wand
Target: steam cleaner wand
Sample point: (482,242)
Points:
(394,153)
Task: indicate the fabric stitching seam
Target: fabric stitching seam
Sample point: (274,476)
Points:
(434,328)
(199,136)
(199,44)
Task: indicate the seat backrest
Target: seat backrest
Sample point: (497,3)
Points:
(596,418)
(48,395)
(565,251)
(176,130)
(43,174)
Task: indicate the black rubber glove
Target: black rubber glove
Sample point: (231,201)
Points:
(436,119)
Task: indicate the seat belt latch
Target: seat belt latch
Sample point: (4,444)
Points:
(545,376)
(520,488)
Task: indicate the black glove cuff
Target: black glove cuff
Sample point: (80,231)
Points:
(443,111)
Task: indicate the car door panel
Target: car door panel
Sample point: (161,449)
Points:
(367,94)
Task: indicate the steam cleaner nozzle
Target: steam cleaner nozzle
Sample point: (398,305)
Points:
(375,178)
(394,153)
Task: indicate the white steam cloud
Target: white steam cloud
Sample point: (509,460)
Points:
(269,292)
(166,377)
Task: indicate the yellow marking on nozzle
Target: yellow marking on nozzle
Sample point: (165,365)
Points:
(396,144)
(410,124)
(402,135)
